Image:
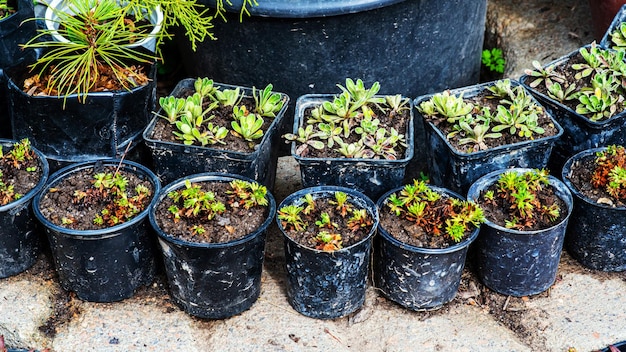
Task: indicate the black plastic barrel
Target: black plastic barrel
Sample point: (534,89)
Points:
(414,277)
(108,264)
(213,280)
(20,239)
(519,263)
(596,235)
(328,285)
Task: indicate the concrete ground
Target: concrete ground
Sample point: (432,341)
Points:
(584,309)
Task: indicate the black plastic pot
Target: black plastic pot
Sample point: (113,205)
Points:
(328,285)
(213,280)
(102,127)
(519,263)
(621,346)
(455,170)
(620,17)
(418,278)
(20,239)
(171,161)
(596,235)
(579,133)
(373,177)
(103,265)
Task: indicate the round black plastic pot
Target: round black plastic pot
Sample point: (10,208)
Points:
(103,265)
(596,235)
(418,278)
(579,133)
(328,285)
(15,30)
(455,170)
(620,346)
(519,263)
(68,130)
(171,161)
(20,240)
(213,280)
(373,177)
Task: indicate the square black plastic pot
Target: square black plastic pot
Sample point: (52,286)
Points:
(373,177)
(67,130)
(171,161)
(456,171)
(579,132)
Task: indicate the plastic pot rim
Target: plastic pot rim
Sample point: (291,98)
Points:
(474,192)
(207,177)
(561,61)
(97,234)
(40,184)
(307,100)
(451,249)
(482,153)
(327,189)
(565,177)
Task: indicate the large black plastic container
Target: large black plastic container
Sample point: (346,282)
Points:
(328,285)
(418,278)
(456,171)
(213,280)
(596,234)
(373,177)
(579,133)
(171,161)
(519,263)
(67,130)
(108,264)
(20,239)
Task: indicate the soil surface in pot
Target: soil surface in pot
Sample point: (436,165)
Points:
(20,178)
(388,120)
(350,234)
(580,176)
(235,223)
(497,211)
(222,116)
(411,233)
(481,100)
(61,205)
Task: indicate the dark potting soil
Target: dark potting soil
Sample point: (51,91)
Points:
(387,121)
(59,202)
(163,130)
(581,173)
(497,213)
(233,224)
(307,236)
(481,100)
(21,179)
(413,234)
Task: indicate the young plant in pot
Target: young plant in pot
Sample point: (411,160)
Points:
(597,179)
(474,130)
(23,174)
(212,229)
(520,243)
(327,233)
(615,35)
(94,214)
(355,139)
(204,126)
(585,93)
(424,236)
(90,92)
